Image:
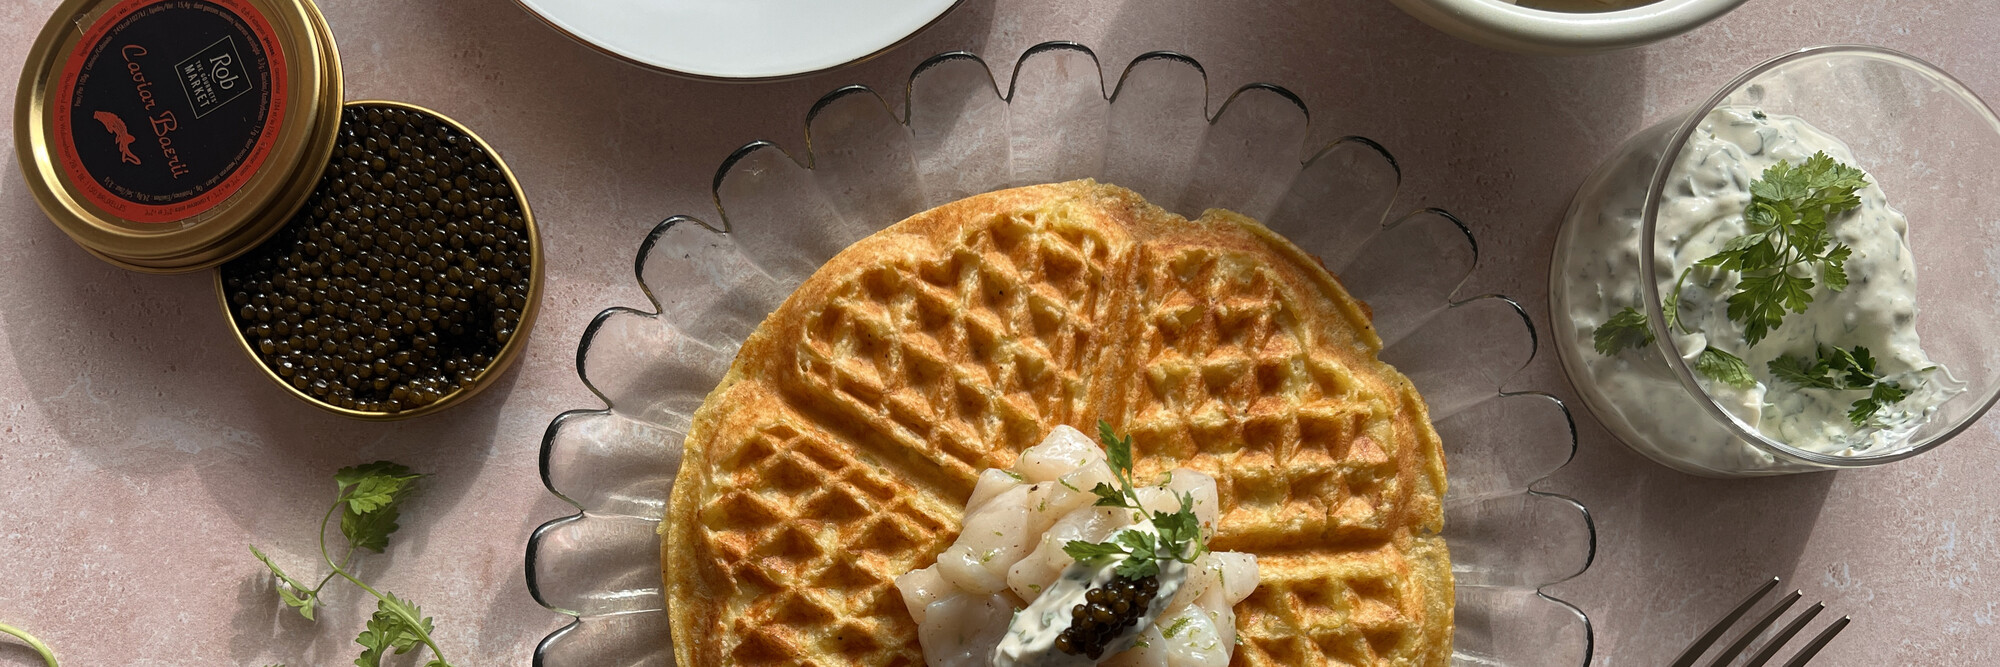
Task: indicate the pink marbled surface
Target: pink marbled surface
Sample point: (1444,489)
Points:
(140,451)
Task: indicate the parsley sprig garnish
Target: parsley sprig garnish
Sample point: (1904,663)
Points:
(1786,251)
(1845,370)
(370,501)
(1179,539)
(1788,242)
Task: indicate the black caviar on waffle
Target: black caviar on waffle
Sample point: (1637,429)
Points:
(1106,612)
(400,279)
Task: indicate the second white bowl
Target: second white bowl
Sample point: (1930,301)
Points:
(1510,27)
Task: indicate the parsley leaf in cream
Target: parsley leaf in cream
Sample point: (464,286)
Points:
(1785,251)
(1724,367)
(1843,370)
(1626,329)
(1787,244)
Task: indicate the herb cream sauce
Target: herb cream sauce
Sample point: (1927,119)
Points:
(1701,210)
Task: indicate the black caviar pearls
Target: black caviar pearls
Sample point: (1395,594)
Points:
(1106,612)
(400,279)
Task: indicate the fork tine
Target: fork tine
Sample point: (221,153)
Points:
(1778,640)
(1743,642)
(1695,650)
(1812,648)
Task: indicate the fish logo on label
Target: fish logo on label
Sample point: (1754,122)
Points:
(116,126)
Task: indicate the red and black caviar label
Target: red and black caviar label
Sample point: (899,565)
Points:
(167,107)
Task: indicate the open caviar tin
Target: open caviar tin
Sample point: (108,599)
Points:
(499,360)
(172,136)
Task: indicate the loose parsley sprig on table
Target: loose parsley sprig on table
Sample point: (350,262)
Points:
(1777,260)
(1179,537)
(1840,369)
(369,504)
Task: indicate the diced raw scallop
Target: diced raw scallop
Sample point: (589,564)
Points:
(1040,516)
(1064,449)
(1149,651)
(1042,567)
(1202,487)
(1072,490)
(1200,577)
(994,537)
(1156,497)
(920,588)
(1203,636)
(992,483)
(1238,574)
(1235,573)
(1200,637)
(961,630)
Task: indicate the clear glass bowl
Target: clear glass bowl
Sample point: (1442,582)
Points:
(1932,146)
(959,136)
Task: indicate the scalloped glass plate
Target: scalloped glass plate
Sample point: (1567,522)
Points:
(958,135)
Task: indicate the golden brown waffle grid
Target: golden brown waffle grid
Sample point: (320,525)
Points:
(839,450)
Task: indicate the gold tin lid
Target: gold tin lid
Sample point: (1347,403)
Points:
(507,353)
(167,136)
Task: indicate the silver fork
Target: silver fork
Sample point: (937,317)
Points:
(1777,641)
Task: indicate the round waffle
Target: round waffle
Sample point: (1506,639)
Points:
(839,450)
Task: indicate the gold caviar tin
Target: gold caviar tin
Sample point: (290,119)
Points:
(171,136)
(166,136)
(508,352)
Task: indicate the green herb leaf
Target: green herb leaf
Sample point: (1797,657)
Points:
(1833,368)
(1085,552)
(1136,541)
(1179,533)
(1883,395)
(375,485)
(1787,244)
(1724,367)
(390,629)
(1847,370)
(370,531)
(373,495)
(1860,366)
(1834,271)
(1138,566)
(1117,451)
(1801,371)
(352,475)
(1761,300)
(369,503)
(1626,329)
(1670,307)
(1108,497)
(295,595)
